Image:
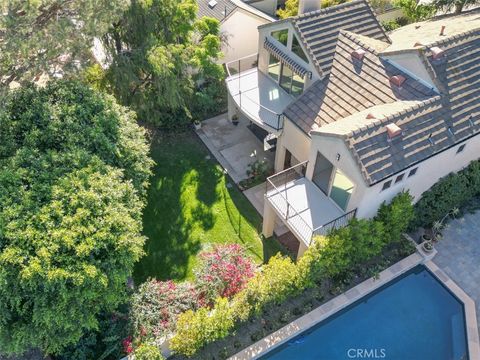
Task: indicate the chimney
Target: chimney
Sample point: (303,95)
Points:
(437,53)
(442,30)
(305,6)
(393,130)
(417,44)
(397,80)
(370,116)
(358,54)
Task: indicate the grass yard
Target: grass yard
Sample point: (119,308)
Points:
(191,205)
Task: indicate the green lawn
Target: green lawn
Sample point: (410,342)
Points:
(190,206)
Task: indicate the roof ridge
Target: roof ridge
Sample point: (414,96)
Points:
(458,37)
(355,38)
(389,118)
(326,10)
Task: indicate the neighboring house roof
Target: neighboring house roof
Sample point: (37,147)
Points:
(352,86)
(220,11)
(429,126)
(319,30)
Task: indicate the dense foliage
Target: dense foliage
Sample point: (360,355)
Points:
(328,258)
(291,7)
(415,11)
(456,5)
(223,271)
(148,351)
(73,171)
(164,61)
(50,36)
(452,191)
(157,304)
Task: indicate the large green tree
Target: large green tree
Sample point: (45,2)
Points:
(164,59)
(47,36)
(74,168)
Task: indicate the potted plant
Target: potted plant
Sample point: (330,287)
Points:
(197,124)
(427,246)
(439,225)
(235,119)
(425,237)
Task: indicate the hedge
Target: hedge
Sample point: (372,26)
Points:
(452,191)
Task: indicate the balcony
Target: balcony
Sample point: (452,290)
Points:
(257,96)
(302,206)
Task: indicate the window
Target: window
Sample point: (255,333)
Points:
(286,78)
(297,85)
(297,50)
(386,185)
(399,178)
(412,172)
(281,36)
(461,148)
(274,67)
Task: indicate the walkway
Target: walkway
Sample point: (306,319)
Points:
(459,255)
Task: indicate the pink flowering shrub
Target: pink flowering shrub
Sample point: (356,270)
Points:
(223,271)
(157,304)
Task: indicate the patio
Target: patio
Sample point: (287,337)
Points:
(234,146)
(459,253)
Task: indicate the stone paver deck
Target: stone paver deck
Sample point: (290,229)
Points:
(459,255)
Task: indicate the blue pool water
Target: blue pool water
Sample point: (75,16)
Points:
(412,318)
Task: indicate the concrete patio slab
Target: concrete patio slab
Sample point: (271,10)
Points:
(234,146)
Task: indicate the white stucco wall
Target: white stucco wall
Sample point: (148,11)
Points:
(240,29)
(428,173)
(367,199)
(293,139)
(329,147)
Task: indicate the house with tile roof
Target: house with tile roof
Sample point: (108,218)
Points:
(239,20)
(362,115)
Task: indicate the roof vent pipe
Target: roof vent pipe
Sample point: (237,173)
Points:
(442,30)
(305,6)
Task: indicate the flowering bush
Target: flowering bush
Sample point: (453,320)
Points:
(224,271)
(157,304)
(148,351)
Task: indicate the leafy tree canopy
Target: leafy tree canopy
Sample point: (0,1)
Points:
(74,168)
(44,36)
(163,58)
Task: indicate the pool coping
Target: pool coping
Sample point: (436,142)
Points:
(473,341)
(329,308)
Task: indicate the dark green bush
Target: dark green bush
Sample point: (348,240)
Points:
(452,191)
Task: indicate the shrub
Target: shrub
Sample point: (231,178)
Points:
(223,271)
(452,191)
(395,24)
(415,11)
(195,329)
(157,304)
(148,351)
(273,284)
(396,216)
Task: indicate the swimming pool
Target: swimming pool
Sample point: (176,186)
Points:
(413,317)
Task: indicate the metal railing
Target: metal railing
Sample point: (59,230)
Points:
(243,64)
(267,116)
(277,185)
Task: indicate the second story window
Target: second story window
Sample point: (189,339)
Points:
(461,148)
(281,36)
(297,49)
(412,172)
(386,184)
(274,66)
(399,178)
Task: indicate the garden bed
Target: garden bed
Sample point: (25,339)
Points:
(277,316)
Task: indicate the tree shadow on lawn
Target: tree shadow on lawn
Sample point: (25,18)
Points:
(180,198)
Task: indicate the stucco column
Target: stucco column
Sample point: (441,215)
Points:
(280,154)
(232,108)
(268,219)
(301,249)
